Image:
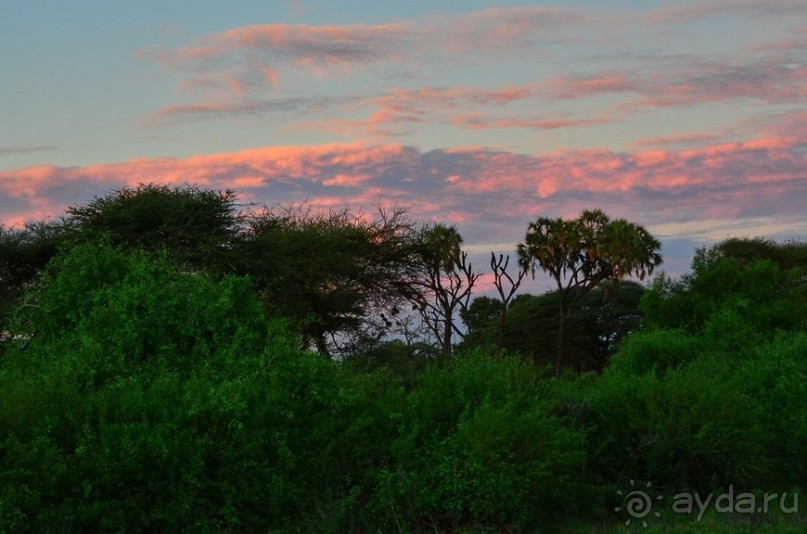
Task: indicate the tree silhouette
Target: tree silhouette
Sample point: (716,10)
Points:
(445,286)
(500,274)
(581,253)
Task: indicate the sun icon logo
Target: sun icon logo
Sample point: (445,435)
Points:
(638,503)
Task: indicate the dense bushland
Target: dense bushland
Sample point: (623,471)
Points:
(149,389)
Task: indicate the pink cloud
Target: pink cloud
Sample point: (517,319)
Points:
(569,88)
(240,72)
(433,104)
(310,46)
(398,109)
(677,140)
(391,113)
(498,30)
(190,113)
(694,82)
(491,31)
(395,111)
(763,81)
(242,65)
(491,193)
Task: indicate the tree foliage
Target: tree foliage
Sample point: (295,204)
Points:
(340,276)
(479,315)
(197,225)
(162,399)
(707,392)
(127,307)
(763,292)
(594,330)
(474,452)
(786,255)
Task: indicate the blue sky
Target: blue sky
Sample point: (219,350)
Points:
(687,117)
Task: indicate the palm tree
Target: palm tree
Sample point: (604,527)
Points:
(581,253)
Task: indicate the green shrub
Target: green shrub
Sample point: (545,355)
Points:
(237,442)
(156,399)
(481,448)
(774,376)
(685,429)
(656,349)
(121,309)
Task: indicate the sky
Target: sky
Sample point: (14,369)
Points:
(687,117)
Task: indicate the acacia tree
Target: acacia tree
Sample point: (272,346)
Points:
(786,255)
(581,253)
(445,285)
(341,276)
(197,225)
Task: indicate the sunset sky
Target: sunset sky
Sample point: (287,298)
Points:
(689,117)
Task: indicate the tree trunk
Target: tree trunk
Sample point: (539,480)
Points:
(502,324)
(559,340)
(447,334)
(322,347)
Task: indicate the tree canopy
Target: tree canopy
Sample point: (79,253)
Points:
(341,276)
(594,330)
(197,225)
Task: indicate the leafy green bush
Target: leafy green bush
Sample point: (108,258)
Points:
(760,293)
(481,448)
(685,428)
(125,308)
(655,349)
(156,399)
(774,376)
(273,440)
